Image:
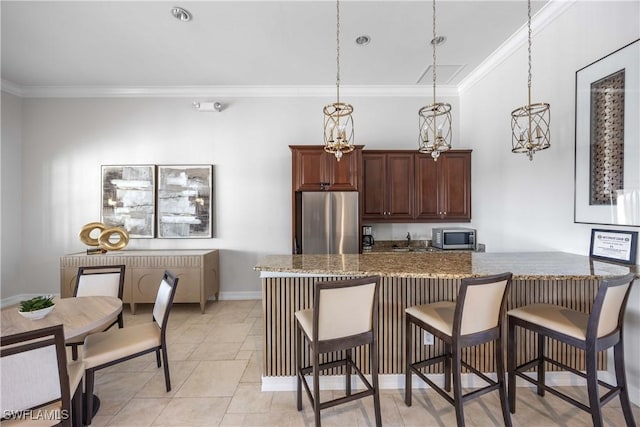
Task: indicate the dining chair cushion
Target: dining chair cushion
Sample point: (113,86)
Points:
(38,366)
(439,315)
(163,299)
(103,284)
(80,338)
(75,369)
(560,319)
(116,344)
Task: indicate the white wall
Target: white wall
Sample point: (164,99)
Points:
(520,205)
(65,141)
(11,195)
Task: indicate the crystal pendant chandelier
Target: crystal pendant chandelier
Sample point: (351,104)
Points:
(338,121)
(434,120)
(530,123)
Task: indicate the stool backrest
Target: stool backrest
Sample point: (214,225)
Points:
(105,280)
(609,306)
(345,308)
(34,372)
(481,303)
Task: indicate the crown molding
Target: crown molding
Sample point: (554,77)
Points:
(547,14)
(11,88)
(224,91)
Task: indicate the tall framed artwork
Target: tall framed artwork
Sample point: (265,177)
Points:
(128,199)
(184,201)
(607,145)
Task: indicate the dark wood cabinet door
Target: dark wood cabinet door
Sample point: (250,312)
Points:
(374,186)
(427,184)
(342,175)
(455,195)
(316,170)
(400,189)
(308,169)
(443,188)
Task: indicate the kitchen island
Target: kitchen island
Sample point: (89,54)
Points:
(416,278)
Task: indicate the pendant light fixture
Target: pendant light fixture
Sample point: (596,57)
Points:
(530,123)
(434,120)
(338,121)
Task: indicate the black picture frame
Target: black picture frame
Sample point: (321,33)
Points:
(614,245)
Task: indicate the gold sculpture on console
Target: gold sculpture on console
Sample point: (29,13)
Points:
(103,243)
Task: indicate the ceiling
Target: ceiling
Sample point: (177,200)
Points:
(133,44)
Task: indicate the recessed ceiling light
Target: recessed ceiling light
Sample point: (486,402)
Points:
(363,40)
(181,14)
(439,40)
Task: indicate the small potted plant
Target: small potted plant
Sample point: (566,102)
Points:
(37,307)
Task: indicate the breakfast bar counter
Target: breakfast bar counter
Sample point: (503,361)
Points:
(413,278)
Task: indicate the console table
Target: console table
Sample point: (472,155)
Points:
(197,270)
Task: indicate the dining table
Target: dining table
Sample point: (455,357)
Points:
(78,316)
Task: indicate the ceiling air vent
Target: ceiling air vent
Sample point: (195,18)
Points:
(445,74)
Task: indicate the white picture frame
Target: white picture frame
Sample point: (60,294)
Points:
(623,208)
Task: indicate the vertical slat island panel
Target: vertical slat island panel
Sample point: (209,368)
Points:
(287,286)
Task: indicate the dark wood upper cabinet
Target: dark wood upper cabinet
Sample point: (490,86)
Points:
(406,186)
(388,186)
(316,170)
(443,188)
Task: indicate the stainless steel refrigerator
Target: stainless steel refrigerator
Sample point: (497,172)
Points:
(329,222)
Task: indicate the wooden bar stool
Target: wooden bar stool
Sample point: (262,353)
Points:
(593,332)
(475,318)
(344,316)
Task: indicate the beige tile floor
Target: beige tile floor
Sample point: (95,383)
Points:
(215,373)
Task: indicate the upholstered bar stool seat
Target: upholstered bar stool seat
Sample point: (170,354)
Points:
(474,319)
(593,332)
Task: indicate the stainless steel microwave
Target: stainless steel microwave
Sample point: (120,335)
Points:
(453,238)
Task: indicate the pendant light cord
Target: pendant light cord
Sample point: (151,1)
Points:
(529,37)
(433,42)
(338,50)
(530,131)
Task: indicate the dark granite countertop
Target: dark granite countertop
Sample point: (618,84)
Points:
(446,265)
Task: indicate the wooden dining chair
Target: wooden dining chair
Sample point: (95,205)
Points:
(474,319)
(37,384)
(104,280)
(592,333)
(108,348)
(344,316)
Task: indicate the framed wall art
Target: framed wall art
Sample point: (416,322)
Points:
(184,201)
(128,199)
(614,245)
(607,145)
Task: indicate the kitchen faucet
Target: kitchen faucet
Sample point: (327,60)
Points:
(408,239)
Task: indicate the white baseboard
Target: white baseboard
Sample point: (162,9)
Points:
(227,296)
(6,302)
(396,381)
(230,296)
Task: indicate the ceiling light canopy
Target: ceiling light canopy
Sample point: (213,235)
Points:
(363,40)
(181,14)
(338,119)
(434,120)
(530,123)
